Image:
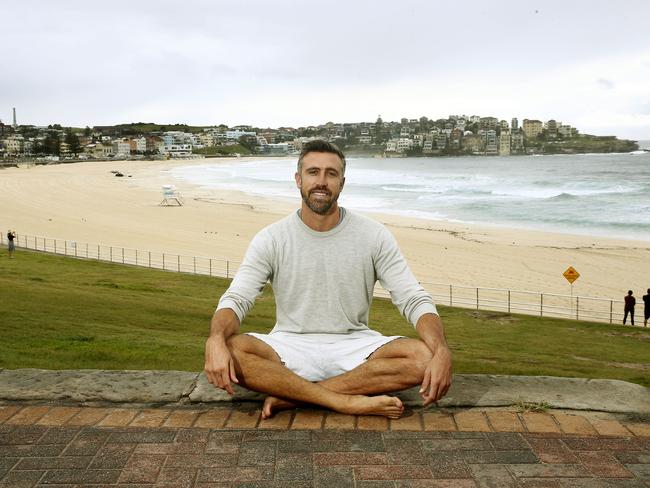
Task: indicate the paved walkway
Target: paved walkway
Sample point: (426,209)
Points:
(229,445)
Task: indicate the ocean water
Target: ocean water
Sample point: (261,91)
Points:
(592,194)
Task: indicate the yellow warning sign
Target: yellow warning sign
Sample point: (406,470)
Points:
(571,274)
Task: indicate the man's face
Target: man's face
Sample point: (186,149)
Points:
(320,181)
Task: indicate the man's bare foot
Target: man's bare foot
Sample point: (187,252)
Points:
(383,405)
(274,404)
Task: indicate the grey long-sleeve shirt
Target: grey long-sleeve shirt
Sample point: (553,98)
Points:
(323,281)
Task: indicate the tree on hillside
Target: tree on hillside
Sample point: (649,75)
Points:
(51,143)
(72,140)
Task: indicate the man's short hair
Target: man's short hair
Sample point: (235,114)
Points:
(320,145)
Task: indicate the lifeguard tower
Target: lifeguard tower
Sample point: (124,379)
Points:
(171,197)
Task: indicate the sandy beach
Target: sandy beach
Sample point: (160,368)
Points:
(85,202)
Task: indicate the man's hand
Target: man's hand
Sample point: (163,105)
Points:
(437,376)
(219,365)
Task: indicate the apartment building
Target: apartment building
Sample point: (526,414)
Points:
(532,128)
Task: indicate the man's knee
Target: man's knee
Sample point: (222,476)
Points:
(241,345)
(419,356)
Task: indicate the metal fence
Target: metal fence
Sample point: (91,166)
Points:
(149,259)
(479,298)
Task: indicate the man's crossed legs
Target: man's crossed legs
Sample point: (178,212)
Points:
(395,366)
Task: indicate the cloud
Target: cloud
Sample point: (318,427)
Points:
(290,63)
(605,84)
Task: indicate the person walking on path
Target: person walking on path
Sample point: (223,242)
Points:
(323,262)
(630,302)
(646,308)
(11,246)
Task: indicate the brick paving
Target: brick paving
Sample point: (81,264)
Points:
(65,447)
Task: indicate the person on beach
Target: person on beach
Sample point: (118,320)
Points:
(11,246)
(646,308)
(630,302)
(323,262)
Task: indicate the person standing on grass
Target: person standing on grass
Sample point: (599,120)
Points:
(11,246)
(630,302)
(323,262)
(646,308)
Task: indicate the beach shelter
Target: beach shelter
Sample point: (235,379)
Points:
(171,196)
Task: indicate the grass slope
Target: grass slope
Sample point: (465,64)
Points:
(63,313)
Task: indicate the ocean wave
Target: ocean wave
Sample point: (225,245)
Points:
(564,197)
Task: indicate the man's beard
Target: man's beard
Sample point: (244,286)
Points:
(321,206)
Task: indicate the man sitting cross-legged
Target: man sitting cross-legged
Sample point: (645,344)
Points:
(323,262)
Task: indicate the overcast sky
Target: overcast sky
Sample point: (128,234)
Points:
(293,63)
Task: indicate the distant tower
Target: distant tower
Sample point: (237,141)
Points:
(15,124)
(514,125)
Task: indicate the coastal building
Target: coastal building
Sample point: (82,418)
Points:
(236,134)
(178,150)
(503,124)
(551,129)
(155,145)
(14,145)
(98,150)
(516,141)
(122,147)
(532,128)
(391,145)
(206,139)
(491,143)
(441,141)
(514,124)
(364,139)
(404,144)
(138,145)
(488,123)
(566,131)
(504,143)
(455,139)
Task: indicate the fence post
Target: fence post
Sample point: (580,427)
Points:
(65,247)
(35,244)
(44,244)
(477,298)
(451,301)
(150,259)
(136,257)
(122,255)
(227,269)
(97,252)
(194,264)
(541,304)
(111,253)
(577,306)
(54,246)
(179,263)
(508,301)
(75,249)
(163,260)
(611,308)
(210,266)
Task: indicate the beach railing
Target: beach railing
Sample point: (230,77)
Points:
(472,297)
(167,261)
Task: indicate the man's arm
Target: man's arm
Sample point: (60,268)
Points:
(219,365)
(437,375)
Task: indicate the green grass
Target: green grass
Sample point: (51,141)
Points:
(63,313)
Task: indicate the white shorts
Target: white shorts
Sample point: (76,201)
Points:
(317,357)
